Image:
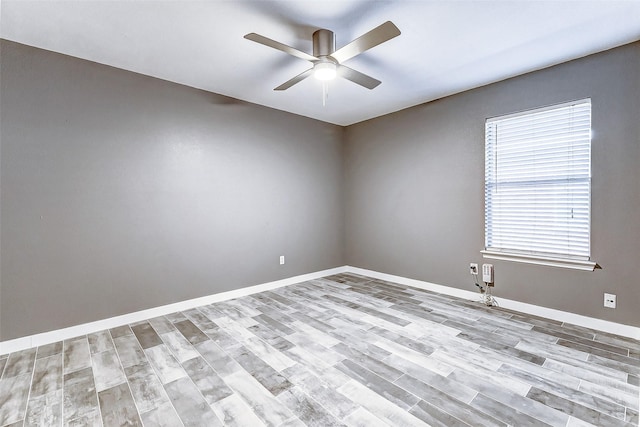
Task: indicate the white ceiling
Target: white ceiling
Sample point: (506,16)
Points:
(445,47)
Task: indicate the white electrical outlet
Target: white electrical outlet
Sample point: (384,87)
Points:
(473,268)
(610,300)
(281,259)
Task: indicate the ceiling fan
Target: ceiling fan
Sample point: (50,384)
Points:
(326,60)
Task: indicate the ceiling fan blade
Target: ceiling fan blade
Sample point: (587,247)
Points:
(378,35)
(280,46)
(297,79)
(357,77)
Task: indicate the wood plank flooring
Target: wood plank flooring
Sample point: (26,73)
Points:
(342,350)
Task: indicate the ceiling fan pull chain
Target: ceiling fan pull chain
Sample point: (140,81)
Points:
(325,93)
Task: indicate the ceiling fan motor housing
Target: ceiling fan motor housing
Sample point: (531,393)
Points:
(324,43)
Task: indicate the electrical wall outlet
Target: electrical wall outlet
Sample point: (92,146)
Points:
(610,300)
(473,268)
(281,259)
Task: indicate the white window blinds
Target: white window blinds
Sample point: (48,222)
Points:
(538,182)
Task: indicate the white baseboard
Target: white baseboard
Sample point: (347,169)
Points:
(549,313)
(100,325)
(31,341)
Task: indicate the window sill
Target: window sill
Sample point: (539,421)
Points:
(583,265)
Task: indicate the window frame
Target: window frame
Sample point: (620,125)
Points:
(553,260)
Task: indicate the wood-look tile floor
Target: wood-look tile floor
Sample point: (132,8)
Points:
(343,350)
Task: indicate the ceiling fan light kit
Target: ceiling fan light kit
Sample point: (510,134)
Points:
(326,60)
(324,70)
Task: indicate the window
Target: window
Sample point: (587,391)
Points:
(538,186)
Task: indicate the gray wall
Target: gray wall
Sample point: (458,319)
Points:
(122,192)
(414,188)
